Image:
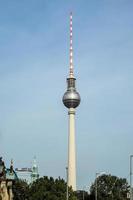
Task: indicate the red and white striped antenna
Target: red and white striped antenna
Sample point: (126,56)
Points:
(71,75)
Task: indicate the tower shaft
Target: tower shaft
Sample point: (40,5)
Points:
(72,150)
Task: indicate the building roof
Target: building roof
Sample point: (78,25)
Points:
(11,175)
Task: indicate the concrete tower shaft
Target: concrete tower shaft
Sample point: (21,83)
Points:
(71,150)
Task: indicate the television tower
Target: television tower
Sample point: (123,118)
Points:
(71,100)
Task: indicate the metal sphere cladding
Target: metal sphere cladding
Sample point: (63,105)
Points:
(71,98)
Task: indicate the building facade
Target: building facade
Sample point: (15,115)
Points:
(28,175)
(7,178)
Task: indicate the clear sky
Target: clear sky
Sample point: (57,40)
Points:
(34,61)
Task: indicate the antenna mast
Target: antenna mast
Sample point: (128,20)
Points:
(71,75)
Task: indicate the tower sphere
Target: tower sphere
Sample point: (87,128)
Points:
(71,99)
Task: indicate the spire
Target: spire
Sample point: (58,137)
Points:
(34,162)
(34,174)
(11,162)
(71,75)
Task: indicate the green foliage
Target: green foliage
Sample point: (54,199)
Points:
(110,188)
(48,188)
(43,189)
(20,190)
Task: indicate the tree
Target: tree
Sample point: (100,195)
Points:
(42,189)
(49,189)
(110,188)
(20,190)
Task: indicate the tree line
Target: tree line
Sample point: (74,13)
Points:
(107,187)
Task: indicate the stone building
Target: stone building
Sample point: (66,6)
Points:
(7,177)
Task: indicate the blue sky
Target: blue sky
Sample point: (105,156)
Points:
(34,61)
